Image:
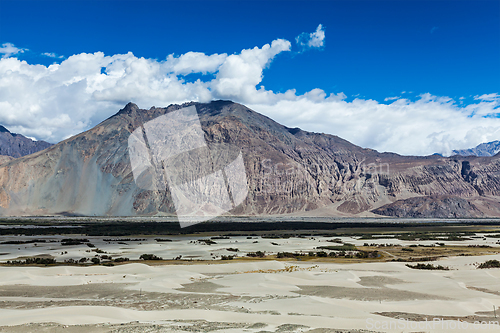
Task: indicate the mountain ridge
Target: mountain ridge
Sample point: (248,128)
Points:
(17,145)
(289,171)
(484,149)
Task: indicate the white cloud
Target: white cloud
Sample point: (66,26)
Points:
(56,101)
(487,97)
(194,62)
(52,55)
(428,125)
(312,40)
(8,49)
(391,98)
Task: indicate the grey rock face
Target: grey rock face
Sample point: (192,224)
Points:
(435,207)
(484,149)
(288,171)
(17,145)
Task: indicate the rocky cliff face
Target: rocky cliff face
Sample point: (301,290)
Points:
(16,145)
(288,171)
(484,149)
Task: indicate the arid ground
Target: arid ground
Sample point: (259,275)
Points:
(345,280)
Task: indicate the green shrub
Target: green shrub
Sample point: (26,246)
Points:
(258,254)
(428,267)
(490,264)
(120,259)
(207,241)
(147,256)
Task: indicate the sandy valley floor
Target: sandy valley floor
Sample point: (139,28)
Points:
(202,293)
(262,296)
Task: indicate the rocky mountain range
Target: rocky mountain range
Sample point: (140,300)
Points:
(484,149)
(288,171)
(17,145)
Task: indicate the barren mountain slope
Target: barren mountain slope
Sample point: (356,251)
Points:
(288,171)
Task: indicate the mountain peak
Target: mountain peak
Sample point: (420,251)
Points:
(484,149)
(130,107)
(3,129)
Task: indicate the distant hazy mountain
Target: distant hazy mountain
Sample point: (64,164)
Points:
(288,171)
(484,149)
(17,145)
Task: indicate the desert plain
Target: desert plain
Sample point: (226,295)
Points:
(394,279)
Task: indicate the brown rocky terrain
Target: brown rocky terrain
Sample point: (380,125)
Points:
(289,171)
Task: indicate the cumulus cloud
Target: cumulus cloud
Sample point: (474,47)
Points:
(428,125)
(8,49)
(56,101)
(311,40)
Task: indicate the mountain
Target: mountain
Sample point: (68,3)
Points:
(288,171)
(484,149)
(16,145)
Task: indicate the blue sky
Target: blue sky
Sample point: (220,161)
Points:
(386,51)
(376,48)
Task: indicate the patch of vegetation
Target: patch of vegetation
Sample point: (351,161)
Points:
(24,242)
(428,267)
(232,249)
(120,259)
(289,255)
(410,259)
(490,264)
(321,254)
(258,254)
(147,256)
(32,261)
(367,254)
(335,240)
(276,236)
(159,240)
(207,241)
(407,249)
(223,257)
(124,228)
(220,237)
(74,241)
(343,247)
